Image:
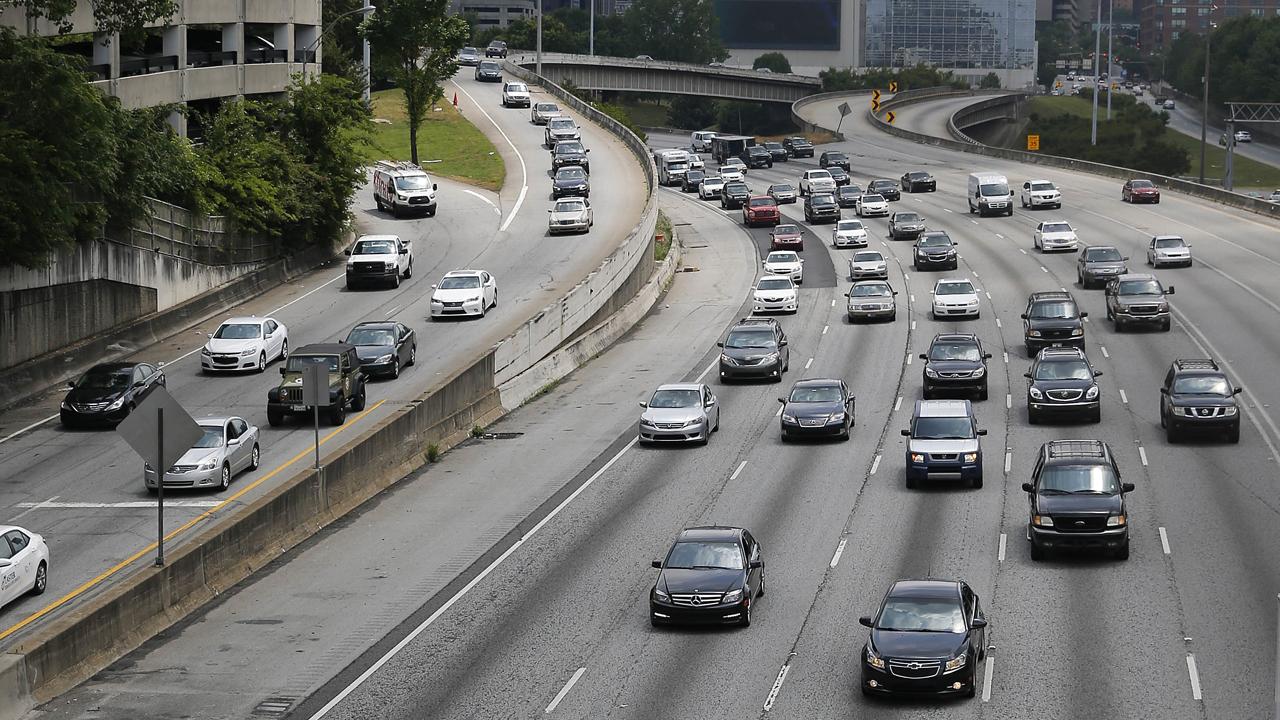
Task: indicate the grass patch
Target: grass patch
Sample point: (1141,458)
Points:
(1048,105)
(662,244)
(645,114)
(464,153)
(433,453)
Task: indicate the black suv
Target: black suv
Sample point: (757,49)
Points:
(710,575)
(847,195)
(887,189)
(935,248)
(690,181)
(755,348)
(777,151)
(1052,319)
(798,147)
(955,363)
(1099,263)
(1077,499)
(734,195)
(497,48)
(346,383)
(837,159)
(757,157)
(821,207)
(1198,397)
(1061,382)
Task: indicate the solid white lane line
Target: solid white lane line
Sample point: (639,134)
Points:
(998,323)
(33,508)
(986,679)
(1142,453)
(707,369)
(148,504)
(1164,541)
(808,364)
(1124,398)
(1008,461)
(777,686)
(32,426)
(565,690)
(1008,401)
(1003,541)
(485,199)
(448,605)
(738,471)
(1006,358)
(1044,269)
(1024,252)
(1103,348)
(1195,677)
(835,559)
(524,172)
(825,328)
(908,357)
(897,404)
(875,465)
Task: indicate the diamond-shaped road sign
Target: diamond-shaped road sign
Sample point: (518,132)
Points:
(143,427)
(844,109)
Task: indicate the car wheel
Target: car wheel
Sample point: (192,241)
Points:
(395,369)
(844,437)
(1123,553)
(42,579)
(1163,421)
(358,403)
(284,349)
(408,271)
(377,201)
(274,418)
(413,355)
(1166,325)
(977,482)
(224,481)
(1096,417)
(746,616)
(1032,417)
(1233,435)
(911,483)
(395,280)
(255,457)
(262,362)
(338,412)
(1170,434)
(1037,552)
(760,592)
(982,394)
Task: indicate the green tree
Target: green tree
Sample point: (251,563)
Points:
(419,42)
(1055,41)
(677,30)
(693,112)
(109,16)
(990,82)
(919,76)
(775,61)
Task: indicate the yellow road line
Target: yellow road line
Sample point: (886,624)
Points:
(169,536)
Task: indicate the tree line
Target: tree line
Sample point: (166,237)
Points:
(1133,138)
(1245,54)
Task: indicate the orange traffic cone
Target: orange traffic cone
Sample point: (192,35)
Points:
(455,99)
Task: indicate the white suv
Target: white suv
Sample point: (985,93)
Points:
(1040,193)
(515,94)
(1168,250)
(816,181)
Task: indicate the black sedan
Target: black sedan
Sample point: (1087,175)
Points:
(886,189)
(691,180)
(488,71)
(710,575)
(840,175)
(817,408)
(107,393)
(734,195)
(384,347)
(832,159)
(927,639)
(570,180)
(919,181)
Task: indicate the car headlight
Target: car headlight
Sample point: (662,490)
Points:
(836,417)
(474,299)
(646,422)
(401,197)
(391,265)
(917,457)
(65,405)
(247,353)
(116,405)
(788,418)
(1035,393)
(874,659)
(930,372)
(208,463)
(979,372)
(661,595)
(771,357)
(956,663)
(1091,393)
(1077,332)
(1042,521)
(971,457)
(1163,307)
(1185,411)
(383,359)
(1033,333)
(436,301)
(205,351)
(1230,412)
(973,302)
(727,360)
(733,596)
(1116,521)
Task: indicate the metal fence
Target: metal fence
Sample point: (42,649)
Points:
(210,240)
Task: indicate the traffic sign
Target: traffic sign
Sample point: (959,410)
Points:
(875,105)
(844,109)
(1115,86)
(1033,142)
(889,116)
(1058,84)
(160,413)
(893,86)
(875,94)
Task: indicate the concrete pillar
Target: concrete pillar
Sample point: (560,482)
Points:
(233,40)
(174,42)
(106,51)
(303,37)
(282,36)
(178,121)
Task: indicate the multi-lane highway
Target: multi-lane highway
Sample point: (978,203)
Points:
(83,489)
(539,607)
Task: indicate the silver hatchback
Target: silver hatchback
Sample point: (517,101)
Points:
(680,412)
(229,446)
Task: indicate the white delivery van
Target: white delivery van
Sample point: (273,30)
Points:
(989,194)
(402,187)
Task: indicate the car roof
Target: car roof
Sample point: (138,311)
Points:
(378,237)
(710,532)
(749,321)
(816,382)
(462,273)
(1068,451)
(113,367)
(1100,247)
(217,419)
(774,277)
(1061,353)
(1136,276)
(952,280)
(943,408)
(245,320)
(376,325)
(925,589)
(322,349)
(1050,295)
(680,386)
(1197,366)
(1041,180)
(955,337)
(1167,237)
(870,282)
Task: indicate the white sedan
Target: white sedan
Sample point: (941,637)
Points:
(849,233)
(871,204)
(955,298)
(245,343)
(24,563)
(464,292)
(570,215)
(730,173)
(1055,235)
(774,293)
(868,265)
(785,262)
(710,187)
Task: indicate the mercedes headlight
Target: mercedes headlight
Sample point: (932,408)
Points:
(1091,393)
(979,372)
(971,457)
(1077,332)
(874,659)
(956,664)
(732,596)
(661,595)
(1042,521)
(1116,521)
(1035,393)
(1033,333)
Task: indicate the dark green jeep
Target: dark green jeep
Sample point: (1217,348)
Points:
(346,383)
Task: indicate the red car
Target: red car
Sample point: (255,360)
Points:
(760,210)
(1136,191)
(786,237)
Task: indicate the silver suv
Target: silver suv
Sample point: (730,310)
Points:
(943,443)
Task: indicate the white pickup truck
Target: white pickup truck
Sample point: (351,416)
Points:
(380,259)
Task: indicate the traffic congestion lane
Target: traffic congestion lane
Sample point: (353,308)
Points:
(69,485)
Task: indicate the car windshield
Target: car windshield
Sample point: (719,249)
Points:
(517,87)
(375,247)
(881,184)
(106,379)
(1141,184)
(548,107)
(762,202)
(782,257)
(1042,186)
(753,339)
(869,291)
(298,362)
(849,225)
(488,66)
(918,176)
(569,206)
(568,148)
(736,187)
(705,555)
(838,171)
(815,394)
(571,173)
(561,124)
(469,51)
(1056,228)
(774,284)
(676,399)
(713,180)
(994,189)
(907,217)
(1063,370)
(943,428)
(781,188)
(921,615)
(371,336)
(773,146)
(1082,479)
(955,288)
(1056,310)
(694,175)
(955,351)
(460,282)
(872,198)
(1170,242)
(413,182)
(211,438)
(933,241)
(1103,255)
(835,157)
(848,191)
(1140,287)
(787,230)
(239,331)
(868,256)
(1201,385)
(819,175)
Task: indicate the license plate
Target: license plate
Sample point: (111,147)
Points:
(1057,344)
(298,408)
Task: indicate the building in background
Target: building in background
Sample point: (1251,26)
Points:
(813,34)
(1160,22)
(499,13)
(1072,11)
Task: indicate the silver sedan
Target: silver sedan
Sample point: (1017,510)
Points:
(680,412)
(229,446)
(570,215)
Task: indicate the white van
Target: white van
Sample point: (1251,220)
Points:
(402,187)
(989,194)
(700,140)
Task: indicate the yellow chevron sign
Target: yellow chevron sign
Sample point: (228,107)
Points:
(889,117)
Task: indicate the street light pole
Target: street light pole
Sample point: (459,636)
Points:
(1204,110)
(367,65)
(591,34)
(1097,50)
(1111,6)
(306,53)
(539,63)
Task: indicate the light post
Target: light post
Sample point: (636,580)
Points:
(1204,110)
(591,33)
(539,63)
(1111,6)
(1097,50)
(368,77)
(306,53)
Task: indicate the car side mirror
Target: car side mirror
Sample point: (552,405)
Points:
(1164,391)
(71,385)
(711,401)
(550,211)
(434,187)
(587,150)
(982,432)
(644,404)
(404,251)
(986,356)
(233,441)
(657,564)
(782,343)
(1126,257)
(1237,391)
(755,564)
(433,287)
(282,372)
(924,356)
(5,562)
(865,620)
(1023,316)
(1097,373)
(1169,291)
(719,344)
(347,252)
(1026,375)
(209,335)
(978,623)
(906,433)
(1026,487)
(1127,487)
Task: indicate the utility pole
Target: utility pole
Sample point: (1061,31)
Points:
(539,63)
(1204,110)
(1097,50)
(1111,6)
(367,74)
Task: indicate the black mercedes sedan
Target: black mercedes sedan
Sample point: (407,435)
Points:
(384,348)
(107,393)
(885,188)
(919,181)
(927,639)
(711,574)
(821,407)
